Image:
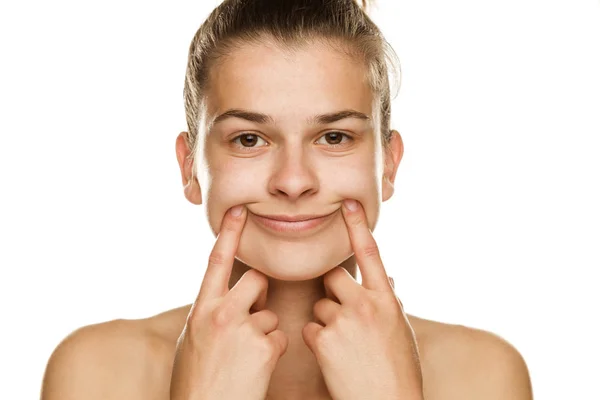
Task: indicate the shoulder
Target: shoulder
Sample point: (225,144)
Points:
(109,360)
(461,362)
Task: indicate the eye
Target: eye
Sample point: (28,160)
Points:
(334,138)
(247,140)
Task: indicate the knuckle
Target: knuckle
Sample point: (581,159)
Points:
(319,305)
(322,339)
(216,258)
(356,221)
(267,350)
(229,224)
(220,317)
(271,348)
(371,250)
(262,318)
(271,316)
(316,308)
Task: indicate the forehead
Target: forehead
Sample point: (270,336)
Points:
(288,84)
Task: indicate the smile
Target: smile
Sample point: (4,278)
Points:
(304,226)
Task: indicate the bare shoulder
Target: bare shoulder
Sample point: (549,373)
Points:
(118,359)
(461,362)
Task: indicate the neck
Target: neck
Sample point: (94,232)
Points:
(297,374)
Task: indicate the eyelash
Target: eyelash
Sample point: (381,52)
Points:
(350,138)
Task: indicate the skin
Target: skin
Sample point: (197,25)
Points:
(295,169)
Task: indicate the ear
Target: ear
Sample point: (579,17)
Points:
(191,187)
(392,158)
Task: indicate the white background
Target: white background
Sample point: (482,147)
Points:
(495,220)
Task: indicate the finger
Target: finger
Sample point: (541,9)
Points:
(309,335)
(266,320)
(325,311)
(220,261)
(340,286)
(249,292)
(261,303)
(279,339)
(329,294)
(365,248)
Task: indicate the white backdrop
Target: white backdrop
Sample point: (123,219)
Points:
(495,220)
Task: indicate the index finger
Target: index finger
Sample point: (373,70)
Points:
(220,261)
(365,248)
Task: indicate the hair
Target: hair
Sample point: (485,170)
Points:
(343,25)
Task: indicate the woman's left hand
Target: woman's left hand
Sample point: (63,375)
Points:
(366,348)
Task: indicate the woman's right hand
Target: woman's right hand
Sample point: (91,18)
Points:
(225,350)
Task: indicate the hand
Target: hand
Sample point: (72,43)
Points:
(363,342)
(224,351)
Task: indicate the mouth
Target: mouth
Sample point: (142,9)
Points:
(292,224)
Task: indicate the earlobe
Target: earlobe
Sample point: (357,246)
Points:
(193,192)
(191,187)
(393,155)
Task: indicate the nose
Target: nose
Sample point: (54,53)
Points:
(293,176)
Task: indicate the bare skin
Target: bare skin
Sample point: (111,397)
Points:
(295,171)
(132,359)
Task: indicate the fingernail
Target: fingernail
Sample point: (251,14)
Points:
(236,211)
(351,205)
(392,282)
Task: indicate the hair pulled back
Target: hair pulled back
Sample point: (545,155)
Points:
(342,24)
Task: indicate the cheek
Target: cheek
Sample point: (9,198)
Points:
(232,184)
(357,181)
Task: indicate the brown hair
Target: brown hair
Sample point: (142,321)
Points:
(289,24)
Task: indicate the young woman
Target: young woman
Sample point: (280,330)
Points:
(290,149)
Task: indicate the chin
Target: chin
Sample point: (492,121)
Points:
(292,268)
(295,259)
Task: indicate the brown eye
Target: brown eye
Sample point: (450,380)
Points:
(335,139)
(247,140)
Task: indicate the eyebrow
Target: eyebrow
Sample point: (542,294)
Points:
(260,118)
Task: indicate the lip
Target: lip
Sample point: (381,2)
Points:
(287,224)
(289,218)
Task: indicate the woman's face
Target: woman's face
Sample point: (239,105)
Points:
(288,163)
